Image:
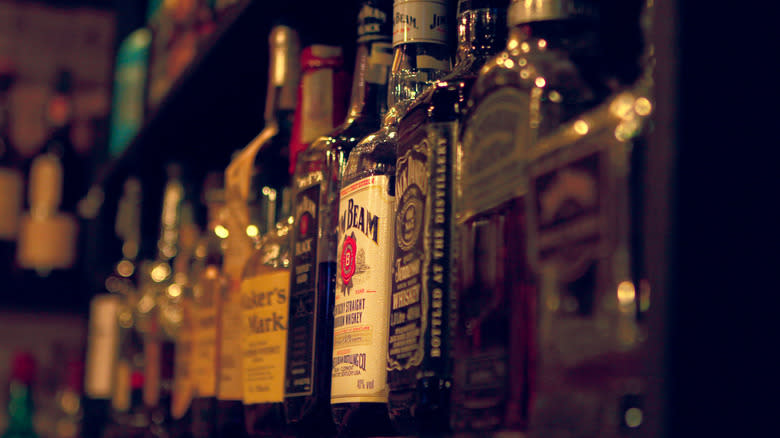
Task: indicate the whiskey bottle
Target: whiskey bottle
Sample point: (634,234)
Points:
(548,74)
(422,307)
(208,284)
(178,323)
(11,182)
(101,360)
(320,107)
(153,308)
(359,392)
(316,186)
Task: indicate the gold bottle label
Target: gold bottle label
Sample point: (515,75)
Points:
(229,384)
(265,308)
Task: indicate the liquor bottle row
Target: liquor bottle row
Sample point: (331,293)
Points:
(458,256)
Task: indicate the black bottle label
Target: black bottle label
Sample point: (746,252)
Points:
(409,302)
(421,303)
(303,295)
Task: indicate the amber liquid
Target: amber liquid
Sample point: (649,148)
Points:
(310,416)
(494,330)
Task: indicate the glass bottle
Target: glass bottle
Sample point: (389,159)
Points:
(316,185)
(208,284)
(548,73)
(11,182)
(153,307)
(321,106)
(367,199)
(101,361)
(423,304)
(20,397)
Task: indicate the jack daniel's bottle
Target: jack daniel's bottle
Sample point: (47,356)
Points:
(363,289)
(548,74)
(422,304)
(266,287)
(316,186)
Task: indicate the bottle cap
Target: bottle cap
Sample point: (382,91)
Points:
(528,11)
(375,21)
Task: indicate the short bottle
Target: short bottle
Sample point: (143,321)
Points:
(548,74)
(20,407)
(359,392)
(316,189)
(423,306)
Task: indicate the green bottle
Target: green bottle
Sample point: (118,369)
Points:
(20,403)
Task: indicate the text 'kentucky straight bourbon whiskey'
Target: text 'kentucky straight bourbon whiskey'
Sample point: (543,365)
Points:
(423,302)
(366,219)
(316,184)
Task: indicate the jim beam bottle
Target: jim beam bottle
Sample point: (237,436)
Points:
(208,283)
(367,199)
(548,74)
(422,305)
(316,185)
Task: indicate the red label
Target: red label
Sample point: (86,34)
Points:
(348,255)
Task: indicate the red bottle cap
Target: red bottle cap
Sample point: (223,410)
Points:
(23,367)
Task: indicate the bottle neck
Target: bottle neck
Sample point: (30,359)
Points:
(170,220)
(369,85)
(283,76)
(481,34)
(575,36)
(415,66)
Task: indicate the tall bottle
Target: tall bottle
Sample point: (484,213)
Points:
(367,199)
(548,74)
(20,397)
(265,286)
(11,182)
(153,308)
(316,186)
(100,364)
(207,296)
(257,174)
(421,334)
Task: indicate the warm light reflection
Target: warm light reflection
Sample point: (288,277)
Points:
(633,417)
(174,290)
(555,96)
(146,304)
(509,63)
(581,127)
(540,82)
(221,232)
(125,268)
(642,106)
(553,302)
(160,272)
(512,45)
(626,293)
(644,295)
(211,272)
(525,47)
(524,73)
(542,44)
(252,231)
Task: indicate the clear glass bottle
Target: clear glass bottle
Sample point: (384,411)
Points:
(208,284)
(422,310)
(316,186)
(548,73)
(367,200)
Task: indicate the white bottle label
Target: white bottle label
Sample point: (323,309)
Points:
(362,292)
(102,346)
(420,21)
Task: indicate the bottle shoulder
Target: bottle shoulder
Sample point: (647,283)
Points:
(374,155)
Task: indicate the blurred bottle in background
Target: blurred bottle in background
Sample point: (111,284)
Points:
(20,397)
(11,181)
